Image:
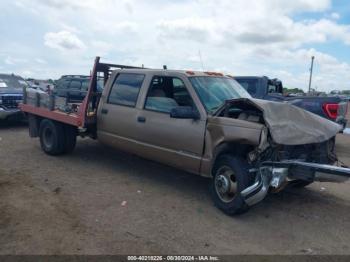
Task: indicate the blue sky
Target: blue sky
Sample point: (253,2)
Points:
(45,39)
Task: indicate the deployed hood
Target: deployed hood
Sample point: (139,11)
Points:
(288,124)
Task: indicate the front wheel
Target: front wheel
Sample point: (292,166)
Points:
(230,177)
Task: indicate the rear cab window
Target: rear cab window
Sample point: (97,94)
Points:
(251,85)
(125,89)
(75,84)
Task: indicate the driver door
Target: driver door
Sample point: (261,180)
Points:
(176,142)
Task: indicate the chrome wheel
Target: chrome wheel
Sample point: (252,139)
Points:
(225,184)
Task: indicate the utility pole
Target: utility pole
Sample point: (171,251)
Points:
(200,58)
(311,69)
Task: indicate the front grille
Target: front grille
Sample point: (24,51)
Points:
(11,102)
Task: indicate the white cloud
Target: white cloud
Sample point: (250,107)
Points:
(240,37)
(125,26)
(62,4)
(63,40)
(300,5)
(26,73)
(40,61)
(101,48)
(335,16)
(193,28)
(14,61)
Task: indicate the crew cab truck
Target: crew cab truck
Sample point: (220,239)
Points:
(201,122)
(332,108)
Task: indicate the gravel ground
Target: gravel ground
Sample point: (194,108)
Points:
(101,201)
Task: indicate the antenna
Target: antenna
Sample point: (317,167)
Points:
(200,58)
(311,69)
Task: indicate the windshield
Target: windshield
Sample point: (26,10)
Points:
(12,81)
(214,91)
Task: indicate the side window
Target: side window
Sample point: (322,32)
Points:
(62,84)
(165,93)
(125,89)
(85,85)
(75,84)
(272,89)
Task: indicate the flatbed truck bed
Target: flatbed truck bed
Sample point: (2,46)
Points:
(80,115)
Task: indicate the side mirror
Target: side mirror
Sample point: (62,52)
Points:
(184,112)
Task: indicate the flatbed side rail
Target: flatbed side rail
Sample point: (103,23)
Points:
(70,119)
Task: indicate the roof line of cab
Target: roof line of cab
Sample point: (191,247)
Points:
(187,72)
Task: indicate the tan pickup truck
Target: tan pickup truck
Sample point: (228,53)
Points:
(201,122)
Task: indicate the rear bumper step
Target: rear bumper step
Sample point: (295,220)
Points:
(276,174)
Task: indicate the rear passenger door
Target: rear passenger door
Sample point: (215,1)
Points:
(117,114)
(176,142)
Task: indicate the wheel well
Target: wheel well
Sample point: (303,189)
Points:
(34,124)
(231,148)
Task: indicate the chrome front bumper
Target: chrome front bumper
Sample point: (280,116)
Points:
(275,174)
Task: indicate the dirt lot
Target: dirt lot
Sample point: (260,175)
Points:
(73,205)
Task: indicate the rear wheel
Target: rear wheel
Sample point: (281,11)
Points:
(51,137)
(230,177)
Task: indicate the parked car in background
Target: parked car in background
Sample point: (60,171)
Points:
(43,85)
(262,87)
(11,94)
(74,87)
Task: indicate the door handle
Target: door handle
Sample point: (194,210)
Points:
(104,111)
(141,119)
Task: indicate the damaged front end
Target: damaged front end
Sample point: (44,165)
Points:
(295,146)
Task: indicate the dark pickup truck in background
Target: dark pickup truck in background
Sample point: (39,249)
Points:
(261,87)
(74,87)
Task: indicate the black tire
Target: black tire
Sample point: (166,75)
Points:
(70,138)
(51,137)
(234,204)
